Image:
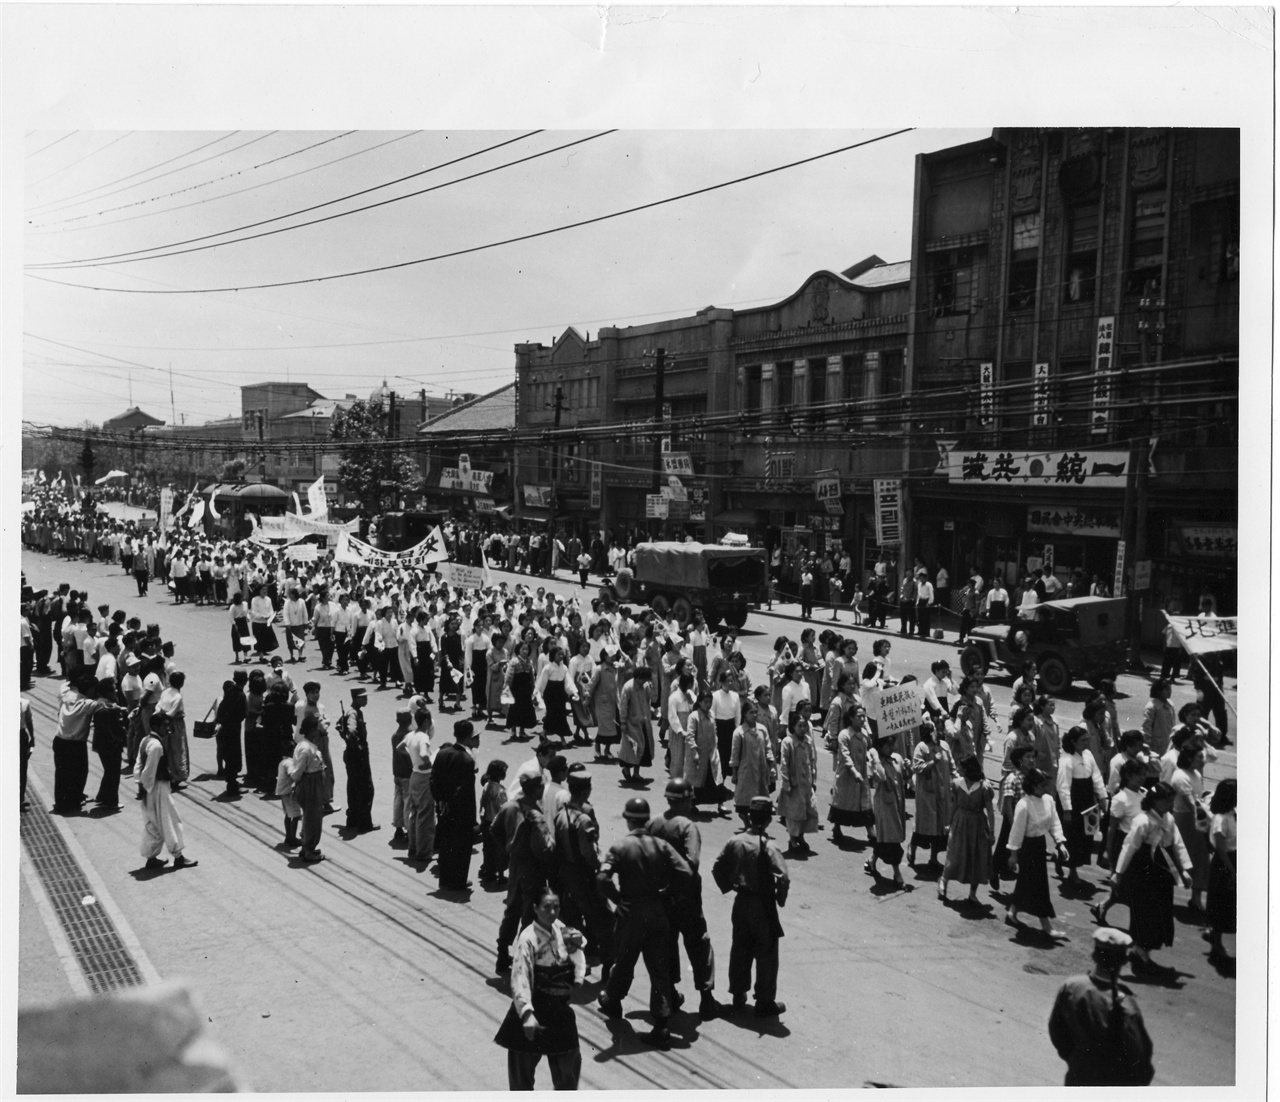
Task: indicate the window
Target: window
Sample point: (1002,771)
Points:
(1146,245)
(1082,254)
(817,392)
(1023,268)
(751,388)
(891,364)
(785,373)
(953,282)
(853,377)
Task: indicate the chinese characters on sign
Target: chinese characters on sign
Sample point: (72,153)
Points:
(986,393)
(1073,522)
(1040,397)
(1118,587)
(1100,417)
(655,506)
(677,463)
(1199,636)
(888,493)
(899,709)
(1209,542)
(1073,468)
(465,478)
(597,485)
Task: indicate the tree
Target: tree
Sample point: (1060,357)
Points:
(87,459)
(232,470)
(372,470)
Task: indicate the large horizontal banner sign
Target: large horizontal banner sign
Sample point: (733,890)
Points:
(1197,636)
(291,524)
(352,550)
(1064,468)
(1073,522)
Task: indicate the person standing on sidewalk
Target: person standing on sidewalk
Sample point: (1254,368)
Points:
(27,737)
(924,603)
(421,811)
(401,771)
(907,606)
(161,824)
(806,590)
(752,866)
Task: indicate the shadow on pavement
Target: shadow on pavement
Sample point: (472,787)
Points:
(763,1027)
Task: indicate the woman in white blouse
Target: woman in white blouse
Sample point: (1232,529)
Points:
(794,690)
(1222,870)
(1080,788)
(261,613)
(1035,822)
(679,707)
(582,668)
(1187,783)
(1150,859)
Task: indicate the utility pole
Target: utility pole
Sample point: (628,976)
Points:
(391,435)
(557,406)
(173,417)
(660,367)
(262,447)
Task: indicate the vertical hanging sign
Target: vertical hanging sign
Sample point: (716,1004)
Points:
(1040,397)
(986,393)
(888,494)
(597,485)
(1117,590)
(1100,414)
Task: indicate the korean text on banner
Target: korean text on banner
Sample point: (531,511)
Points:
(1216,633)
(899,709)
(888,493)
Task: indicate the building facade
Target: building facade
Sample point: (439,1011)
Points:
(1073,358)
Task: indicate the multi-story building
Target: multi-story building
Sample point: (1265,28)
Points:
(468,453)
(1073,357)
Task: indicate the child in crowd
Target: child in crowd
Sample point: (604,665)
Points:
(493,794)
(857,604)
(292,809)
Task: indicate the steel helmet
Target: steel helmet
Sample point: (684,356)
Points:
(637,808)
(678,789)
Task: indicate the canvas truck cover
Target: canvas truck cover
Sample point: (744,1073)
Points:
(699,565)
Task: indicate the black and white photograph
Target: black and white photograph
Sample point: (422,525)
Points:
(651,548)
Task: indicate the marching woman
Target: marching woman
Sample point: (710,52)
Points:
(257,758)
(751,763)
(1080,787)
(684,699)
(726,710)
(1222,870)
(972,828)
(634,713)
(1035,822)
(309,787)
(795,689)
(476,663)
(406,652)
(547,962)
(1192,817)
(931,770)
(582,669)
(496,666)
(602,701)
(779,671)
(798,783)
(424,677)
(555,689)
(1150,859)
(889,803)
(850,792)
(811,663)
(239,613)
(699,641)
(521,714)
(702,767)
(261,614)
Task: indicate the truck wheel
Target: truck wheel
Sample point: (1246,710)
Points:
(660,605)
(1054,675)
(972,661)
(623,582)
(736,617)
(683,610)
(606,595)
(712,617)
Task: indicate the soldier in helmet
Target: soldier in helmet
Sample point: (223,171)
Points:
(684,907)
(578,850)
(753,867)
(530,844)
(647,868)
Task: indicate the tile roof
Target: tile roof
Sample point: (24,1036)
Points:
(884,275)
(495,410)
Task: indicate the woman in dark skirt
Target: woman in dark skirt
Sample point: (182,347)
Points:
(1080,787)
(1222,869)
(1035,822)
(554,688)
(451,665)
(275,733)
(261,613)
(520,714)
(424,673)
(228,721)
(239,613)
(478,646)
(1152,858)
(256,760)
(547,963)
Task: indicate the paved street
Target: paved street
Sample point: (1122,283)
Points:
(358,975)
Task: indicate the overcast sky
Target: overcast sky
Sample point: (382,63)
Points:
(447,324)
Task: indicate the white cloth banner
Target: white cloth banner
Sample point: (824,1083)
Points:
(352,550)
(316,500)
(306,552)
(1205,636)
(292,524)
(197,515)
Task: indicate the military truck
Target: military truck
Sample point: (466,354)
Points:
(722,582)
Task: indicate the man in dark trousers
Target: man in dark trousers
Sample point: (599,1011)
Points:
(751,865)
(907,606)
(684,908)
(531,845)
(453,784)
(1096,1025)
(647,868)
(578,850)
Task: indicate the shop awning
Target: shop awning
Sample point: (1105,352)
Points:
(738,518)
(535,513)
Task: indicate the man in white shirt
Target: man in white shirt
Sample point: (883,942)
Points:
(938,691)
(924,603)
(341,615)
(295,624)
(107,665)
(420,807)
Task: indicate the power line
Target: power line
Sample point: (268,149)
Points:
(209,183)
(128,363)
(55,141)
(110,262)
(150,168)
(81,160)
(493,244)
(238,191)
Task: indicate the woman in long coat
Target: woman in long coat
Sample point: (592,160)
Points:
(889,803)
(751,763)
(602,699)
(496,673)
(798,782)
(519,680)
(931,769)
(702,766)
(634,713)
(850,792)
(973,823)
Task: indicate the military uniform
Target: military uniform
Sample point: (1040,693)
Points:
(684,906)
(646,868)
(753,867)
(577,846)
(530,845)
